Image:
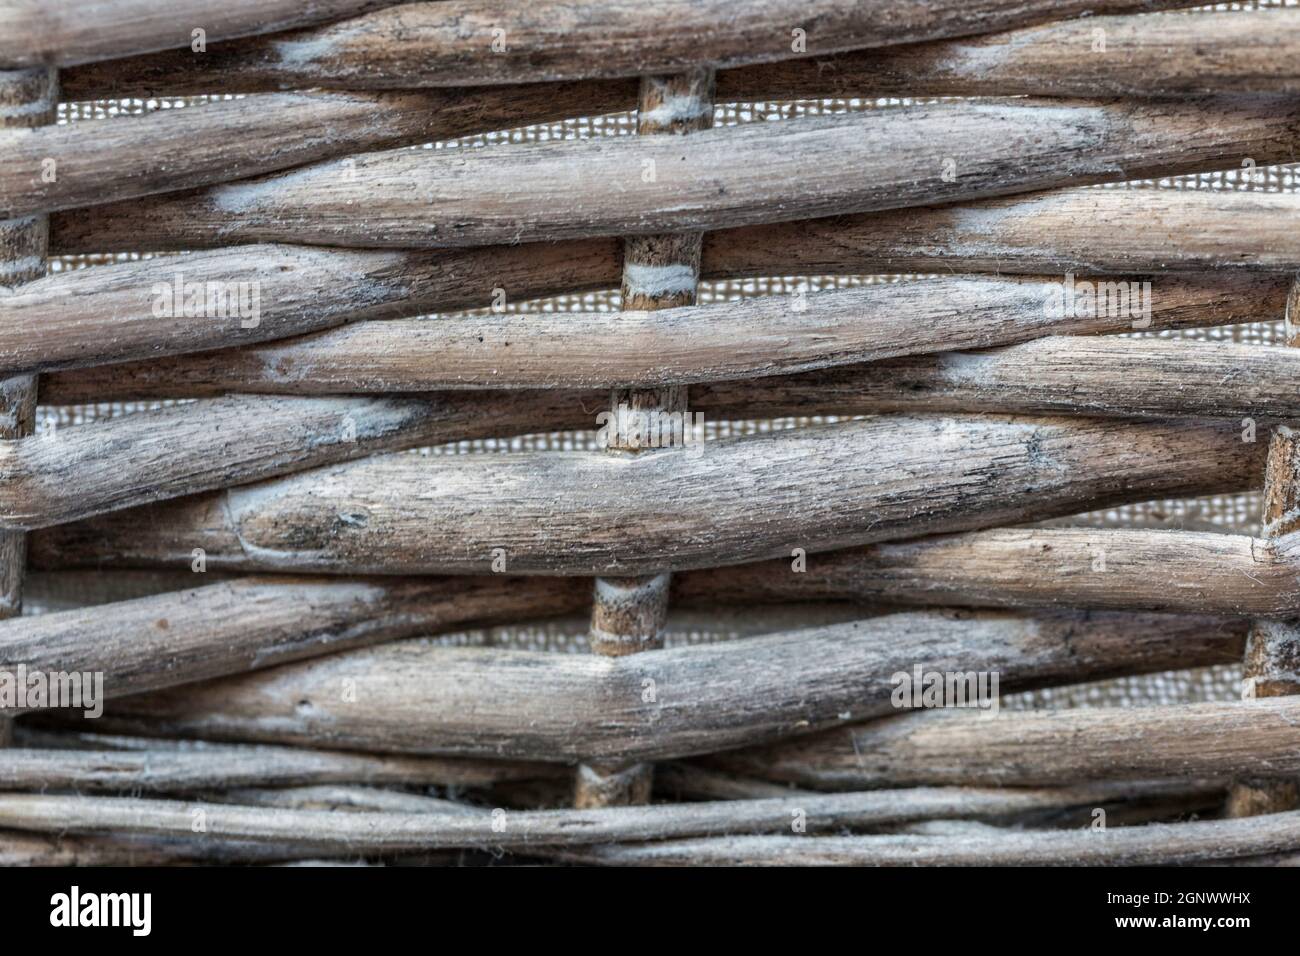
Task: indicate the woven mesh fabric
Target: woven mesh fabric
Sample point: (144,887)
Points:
(1226,513)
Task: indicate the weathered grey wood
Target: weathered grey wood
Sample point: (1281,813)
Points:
(253,623)
(756,337)
(124,157)
(366,831)
(738,500)
(38,849)
(660,704)
(1199,52)
(112,313)
(155,455)
(1114,568)
(36,33)
(350,799)
(453,43)
(760,336)
(169,453)
(1040,748)
(1206,53)
(28,98)
(660,272)
(1076,230)
(154,768)
(1150,845)
(742,175)
(1063,230)
(1272,663)
(1056,375)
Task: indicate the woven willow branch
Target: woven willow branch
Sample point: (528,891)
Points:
(156,769)
(35,33)
(477,42)
(1257,738)
(733,500)
(110,314)
(734,176)
(373,831)
(253,623)
(1116,568)
(1155,844)
(1207,53)
(415,698)
(168,452)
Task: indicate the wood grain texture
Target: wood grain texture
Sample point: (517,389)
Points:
(168,453)
(764,335)
(1272,661)
(1199,53)
(734,176)
(420,699)
(52,34)
(1155,844)
(120,462)
(660,272)
(1055,375)
(453,43)
(133,310)
(1061,230)
(1113,568)
(248,624)
(369,831)
(44,850)
(123,157)
(1160,54)
(738,500)
(157,769)
(28,98)
(1040,748)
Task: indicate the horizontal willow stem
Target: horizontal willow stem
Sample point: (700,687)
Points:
(477,42)
(252,623)
(36,33)
(1115,568)
(731,501)
(1250,738)
(155,769)
(731,176)
(1154,844)
(364,831)
(415,698)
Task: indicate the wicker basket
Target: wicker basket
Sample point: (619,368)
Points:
(701,432)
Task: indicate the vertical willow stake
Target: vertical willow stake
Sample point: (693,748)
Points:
(1273,647)
(27,98)
(659,272)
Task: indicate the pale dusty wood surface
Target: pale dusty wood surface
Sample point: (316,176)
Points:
(737,500)
(452,43)
(154,455)
(36,33)
(122,157)
(1040,748)
(1160,54)
(252,623)
(112,313)
(369,830)
(733,176)
(753,337)
(1151,845)
(1114,568)
(531,705)
(157,769)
